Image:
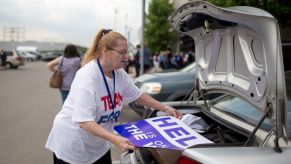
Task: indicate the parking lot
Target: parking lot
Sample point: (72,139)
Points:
(27,109)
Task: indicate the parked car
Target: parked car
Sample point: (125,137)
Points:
(28,56)
(14,59)
(169,86)
(38,55)
(51,55)
(238,53)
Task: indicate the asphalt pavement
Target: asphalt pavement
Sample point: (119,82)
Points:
(27,110)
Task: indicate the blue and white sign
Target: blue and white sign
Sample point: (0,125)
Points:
(161,132)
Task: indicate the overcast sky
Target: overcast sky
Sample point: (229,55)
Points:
(74,21)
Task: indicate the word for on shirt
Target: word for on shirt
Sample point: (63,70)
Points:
(113,116)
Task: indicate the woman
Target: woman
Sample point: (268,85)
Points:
(83,129)
(69,64)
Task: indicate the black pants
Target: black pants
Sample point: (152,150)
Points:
(105,159)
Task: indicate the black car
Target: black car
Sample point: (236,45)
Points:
(164,87)
(51,55)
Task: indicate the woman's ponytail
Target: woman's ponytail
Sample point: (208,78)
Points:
(92,52)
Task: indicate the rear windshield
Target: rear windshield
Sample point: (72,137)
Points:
(9,53)
(241,109)
(245,111)
(190,67)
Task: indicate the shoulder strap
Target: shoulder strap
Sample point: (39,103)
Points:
(61,62)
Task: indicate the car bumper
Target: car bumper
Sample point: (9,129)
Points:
(17,63)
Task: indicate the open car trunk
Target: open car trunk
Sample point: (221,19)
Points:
(220,133)
(238,53)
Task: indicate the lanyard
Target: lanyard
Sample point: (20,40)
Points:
(106,85)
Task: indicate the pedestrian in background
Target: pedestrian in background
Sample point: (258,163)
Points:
(69,65)
(136,61)
(156,62)
(146,58)
(83,129)
(3,57)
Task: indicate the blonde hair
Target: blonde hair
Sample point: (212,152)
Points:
(104,38)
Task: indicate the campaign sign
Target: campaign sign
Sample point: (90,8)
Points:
(161,132)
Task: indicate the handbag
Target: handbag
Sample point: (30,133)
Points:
(56,79)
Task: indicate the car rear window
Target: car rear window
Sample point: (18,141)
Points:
(9,53)
(241,109)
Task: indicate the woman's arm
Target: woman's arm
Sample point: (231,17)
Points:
(92,127)
(148,101)
(52,64)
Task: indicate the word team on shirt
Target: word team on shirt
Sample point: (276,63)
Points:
(107,104)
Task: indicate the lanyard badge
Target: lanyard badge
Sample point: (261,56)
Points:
(108,91)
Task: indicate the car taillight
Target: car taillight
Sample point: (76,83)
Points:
(19,58)
(186,160)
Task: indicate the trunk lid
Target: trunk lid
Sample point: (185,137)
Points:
(238,51)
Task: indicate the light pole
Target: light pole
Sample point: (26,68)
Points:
(142,38)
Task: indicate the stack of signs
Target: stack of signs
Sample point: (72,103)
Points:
(161,132)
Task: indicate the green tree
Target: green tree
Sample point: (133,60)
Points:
(281,9)
(159,34)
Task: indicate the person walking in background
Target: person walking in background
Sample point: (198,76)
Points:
(156,62)
(146,58)
(84,128)
(3,57)
(136,61)
(69,65)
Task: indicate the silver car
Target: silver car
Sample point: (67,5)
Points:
(238,52)
(14,59)
(28,56)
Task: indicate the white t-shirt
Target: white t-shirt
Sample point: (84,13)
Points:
(88,101)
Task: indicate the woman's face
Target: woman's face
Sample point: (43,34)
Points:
(117,56)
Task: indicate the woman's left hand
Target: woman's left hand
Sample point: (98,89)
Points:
(173,112)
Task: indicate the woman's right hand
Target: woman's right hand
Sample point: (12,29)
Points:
(123,144)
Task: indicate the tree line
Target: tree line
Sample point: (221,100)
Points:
(159,35)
